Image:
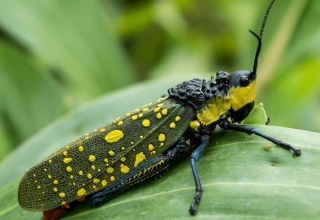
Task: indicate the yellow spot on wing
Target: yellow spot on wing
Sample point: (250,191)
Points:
(124,168)
(134,117)
(164,111)
(114,136)
(81,192)
(177,118)
(161,137)
(92,158)
(156,109)
(172,125)
(69,169)
(80,172)
(158,116)
(110,170)
(140,157)
(146,123)
(150,147)
(62,194)
(104,182)
(111,152)
(67,160)
(80,148)
(120,123)
(96,180)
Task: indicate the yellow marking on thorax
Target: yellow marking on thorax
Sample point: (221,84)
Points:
(214,110)
(195,125)
(240,96)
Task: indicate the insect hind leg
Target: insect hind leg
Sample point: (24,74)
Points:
(152,169)
(145,171)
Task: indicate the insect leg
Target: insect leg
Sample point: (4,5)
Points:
(151,169)
(195,156)
(145,171)
(225,124)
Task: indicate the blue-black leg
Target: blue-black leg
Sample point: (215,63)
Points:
(145,171)
(152,169)
(225,124)
(195,156)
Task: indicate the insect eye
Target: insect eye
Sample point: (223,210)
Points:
(244,81)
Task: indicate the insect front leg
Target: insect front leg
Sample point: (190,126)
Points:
(225,124)
(195,156)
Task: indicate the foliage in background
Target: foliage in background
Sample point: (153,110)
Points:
(56,55)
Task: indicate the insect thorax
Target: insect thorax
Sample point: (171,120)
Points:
(209,98)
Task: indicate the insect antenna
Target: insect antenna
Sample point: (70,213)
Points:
(259,38)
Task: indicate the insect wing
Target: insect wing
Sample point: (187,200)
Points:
(103,156)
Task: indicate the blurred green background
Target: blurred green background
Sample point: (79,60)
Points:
(57,55)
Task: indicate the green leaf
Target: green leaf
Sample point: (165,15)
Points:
(257,116)
(240,178)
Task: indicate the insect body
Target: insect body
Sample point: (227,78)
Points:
(142,144)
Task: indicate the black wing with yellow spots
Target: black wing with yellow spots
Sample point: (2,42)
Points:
(98,159)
